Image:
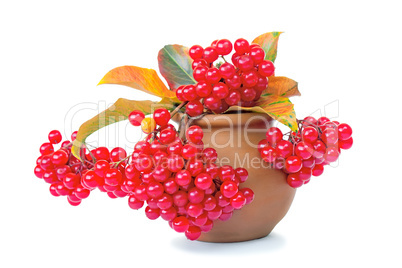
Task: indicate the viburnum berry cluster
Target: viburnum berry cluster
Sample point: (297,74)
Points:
(226,84)
(304,154)
(177,177)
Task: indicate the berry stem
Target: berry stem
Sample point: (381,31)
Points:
(223,58)
(176,110)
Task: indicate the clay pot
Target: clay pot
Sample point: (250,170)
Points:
(235,138)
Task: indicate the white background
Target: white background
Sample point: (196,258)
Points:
(346,54)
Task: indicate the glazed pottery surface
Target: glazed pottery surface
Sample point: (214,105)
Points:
(235,138)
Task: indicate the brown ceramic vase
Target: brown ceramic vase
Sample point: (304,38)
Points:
(235,138)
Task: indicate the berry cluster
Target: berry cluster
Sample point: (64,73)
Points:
(305,153)
(179,180)
(228,84)
(177,177)
(68,176)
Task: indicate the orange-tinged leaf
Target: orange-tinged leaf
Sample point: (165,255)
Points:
(279,108)
(117,112)
(269,43)
(281,86)
(144,79)
(175,65)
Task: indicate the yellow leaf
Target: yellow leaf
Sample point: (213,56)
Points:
(281,86)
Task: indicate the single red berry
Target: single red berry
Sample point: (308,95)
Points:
(165,201)
(226,173)
(183,177)
(199,62)
(294,180)
(195,195)
(233,98)
(247,94)
(135,117)
(229,189)
(210,54)
(101,153)
(54,137)
(143,163)
(257,54)
(331,154)
(152,213)
(189,93)
(284,148)
(161,116)
(203,89)
(193,233)
(269,154)
(180,198)
(262,84)
(167,136)
(194,210)
(304,173)
(161,173)
(304,150)
(170,186)
(248,194)
(113,177)
(194,166)
(317,170)
(309,121)
(346,144)
(274,135)
(220,90)
(46,148)
(212,102)
(71,180)
(344,131)
(203,181)
(309,163)
(245,63)
(200,72)
(135,203)
(59,158)
(249,78)
(81,192)
(241,174)
(180,224)
(329,136)
(233,82)
(227,70)
(117,154)
(293,164)
(241,46)
(213,75)
(194,134)
(196,52)
(238,200)
(319,149)
(194,108)
(266,68)
(309,134)
(74,135)
(155,189)
(188,151)
(223,47)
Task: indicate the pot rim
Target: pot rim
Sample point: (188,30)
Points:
(249,119)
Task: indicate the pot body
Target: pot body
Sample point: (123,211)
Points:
(235,138)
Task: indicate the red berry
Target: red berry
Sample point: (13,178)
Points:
(143,163)
(226,173)
(229,189)
(266,68)
(233,82)
(193,232)
(238,200)
(188,151)
(345,131)
(319,149)
(304,150)
(195,166)
(309,163)
(274,135)
(180,198)
(317,170)
(46,148)
(209,202)
(309,134)
(212,102)
(257,54)
(167,136)
(210,54)
(248,94)
(199,73)
(165,201)
(195,195)
(170,186)
(262,84)
(198,62)
(346,144)
(223,47)
(194,210)
(74,135)
(203,89)
(269,154)
(113,177)
(248,194)
(203,181)
(180,224)
(322,120)
(309,121)
(227,70)
(293,164)
(233,98)
(175,163)
(284,148)
(241,46)
(183,177)
(59,158)
(329,136)
(189,93)
(213,75)
(71,180)
(161,116)
(304,174)
(194,134)
(294,180)
(331,154)
(135,117)
(117,154)
(152,213)
(54,137)
(194,108)
(196,52)
(81,192)
(249,78)
(241,174)
(245,63)
(220,90)
(101,153)
(135,203)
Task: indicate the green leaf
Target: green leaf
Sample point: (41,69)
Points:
(117,112)
(175,66)
(269,43)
